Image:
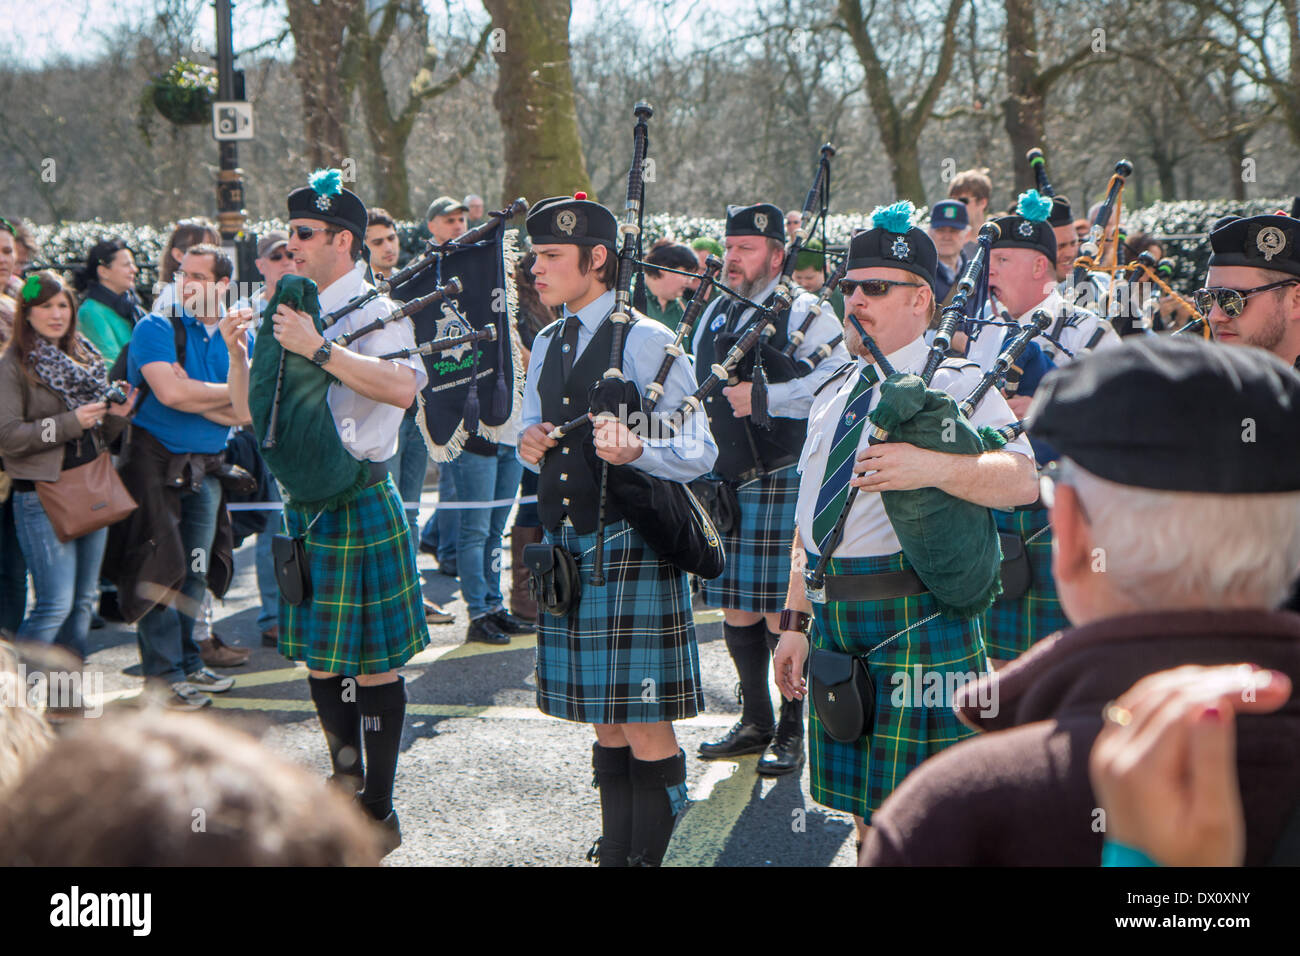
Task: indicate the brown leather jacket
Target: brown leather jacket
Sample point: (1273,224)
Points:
(27,409)
(1019,794)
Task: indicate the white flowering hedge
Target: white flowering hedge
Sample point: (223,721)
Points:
(1181,226)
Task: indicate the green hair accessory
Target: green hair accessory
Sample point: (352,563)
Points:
(31,288)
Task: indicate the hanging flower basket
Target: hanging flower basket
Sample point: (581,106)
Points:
(184,94)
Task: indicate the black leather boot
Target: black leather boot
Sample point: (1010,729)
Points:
(785,753)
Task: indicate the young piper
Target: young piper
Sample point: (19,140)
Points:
(624,659)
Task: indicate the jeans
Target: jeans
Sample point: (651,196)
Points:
(527,516)
(409,465)
(13,571)
(66,576)
(166,634)
(269,616)
(441,530)
(478,548)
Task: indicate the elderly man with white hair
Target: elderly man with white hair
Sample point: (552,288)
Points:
(1177,534)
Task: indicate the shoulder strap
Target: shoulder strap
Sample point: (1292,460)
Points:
(178,333)
(838,373)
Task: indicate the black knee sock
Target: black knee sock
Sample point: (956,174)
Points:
(612,777)
(383,711)
(658,796)
(341,721)
(748,647)
(772,641)
(791,722)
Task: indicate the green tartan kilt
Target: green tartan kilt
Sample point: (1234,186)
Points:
(1015,626)
(366,612)
(910,724)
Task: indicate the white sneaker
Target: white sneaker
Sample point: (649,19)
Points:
(185,696)
(210,681)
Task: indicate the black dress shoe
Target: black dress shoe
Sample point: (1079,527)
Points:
(511,624)
(784,754)
(486,630)
(391,832)
(741,739)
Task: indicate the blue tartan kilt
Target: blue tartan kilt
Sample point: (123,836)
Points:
(366,612)
(912,722)
(1015,626)
(757,575)
(627,654)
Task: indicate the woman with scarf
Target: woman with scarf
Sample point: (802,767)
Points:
(110,308)
(52,385)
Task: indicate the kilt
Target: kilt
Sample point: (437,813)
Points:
(366,612)
(909,725)
(1015,626)
(757,575)
(627,654)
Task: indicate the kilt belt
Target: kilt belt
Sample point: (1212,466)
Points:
(872,587)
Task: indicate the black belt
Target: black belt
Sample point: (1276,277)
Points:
(376,471)
(758,471)
(1035,506)
(873,587)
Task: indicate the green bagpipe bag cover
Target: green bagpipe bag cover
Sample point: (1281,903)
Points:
(951,544)
(309,459)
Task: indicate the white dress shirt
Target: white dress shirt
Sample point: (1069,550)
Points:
(790,399)
(369,429)
(986,347)
(867,532)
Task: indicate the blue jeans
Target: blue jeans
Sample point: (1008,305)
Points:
(166,633)
(66,577)
(478,546)
(409,465)
(269,616)
(441,530)
(13,571)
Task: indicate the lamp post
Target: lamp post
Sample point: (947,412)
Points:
(230,184)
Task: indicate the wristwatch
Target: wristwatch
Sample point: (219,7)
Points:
(795,621)
(323,353)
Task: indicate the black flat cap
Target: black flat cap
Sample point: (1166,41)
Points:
(572,220)
(894,243)
(760,219)
(325,199)
(1176,414)
(1259,242)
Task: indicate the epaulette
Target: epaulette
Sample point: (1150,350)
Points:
(550,328)
(838,373)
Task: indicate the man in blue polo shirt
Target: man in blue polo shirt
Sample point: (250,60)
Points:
(189,413)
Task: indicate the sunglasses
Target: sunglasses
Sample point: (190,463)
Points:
(306,232)
(1231,301)
(278,255)
(872,288)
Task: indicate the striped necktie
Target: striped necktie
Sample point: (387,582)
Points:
(843,453)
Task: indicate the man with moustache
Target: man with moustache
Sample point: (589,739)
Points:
(875,606)
(636,632)
(758,462)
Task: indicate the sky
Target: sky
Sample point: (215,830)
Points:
(75,26)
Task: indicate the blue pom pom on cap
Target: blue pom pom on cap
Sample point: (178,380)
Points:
(1034,206)
(895,218)
(326,182)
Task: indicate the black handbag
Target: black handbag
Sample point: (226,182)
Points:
(720,501)
(842,694)
(553,580)
(291,572)
(1017,575)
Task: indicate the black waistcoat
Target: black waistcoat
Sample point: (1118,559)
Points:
(566,484)
(777,446)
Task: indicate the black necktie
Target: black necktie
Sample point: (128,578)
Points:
(569,344)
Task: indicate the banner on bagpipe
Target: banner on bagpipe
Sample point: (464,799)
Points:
(474,388)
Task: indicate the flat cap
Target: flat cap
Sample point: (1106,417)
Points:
(761,219)
(1176,414)
(1259,242)
(572,220)
(442,206)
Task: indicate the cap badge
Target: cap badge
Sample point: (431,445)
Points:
(760,221)
(1270,241)
(1026,229)
(566,220)
(323,203)
(900,249)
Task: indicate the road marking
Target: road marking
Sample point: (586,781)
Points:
(705,828)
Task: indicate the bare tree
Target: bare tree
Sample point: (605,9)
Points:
(318,27)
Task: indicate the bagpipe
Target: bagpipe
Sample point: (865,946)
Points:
(665,513)
(1090,247)
(1142,269)
(951,544)
(751,357)
(288,393)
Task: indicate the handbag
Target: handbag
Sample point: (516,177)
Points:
(842,694)
(85,498)
(292,575)
(1017,574)
(553,581)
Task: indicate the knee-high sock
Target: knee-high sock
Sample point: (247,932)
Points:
(383,711)
(791,718)
(658,796)
(611,766)
(748,647)
(340,718)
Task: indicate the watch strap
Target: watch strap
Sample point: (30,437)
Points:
(795,620)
